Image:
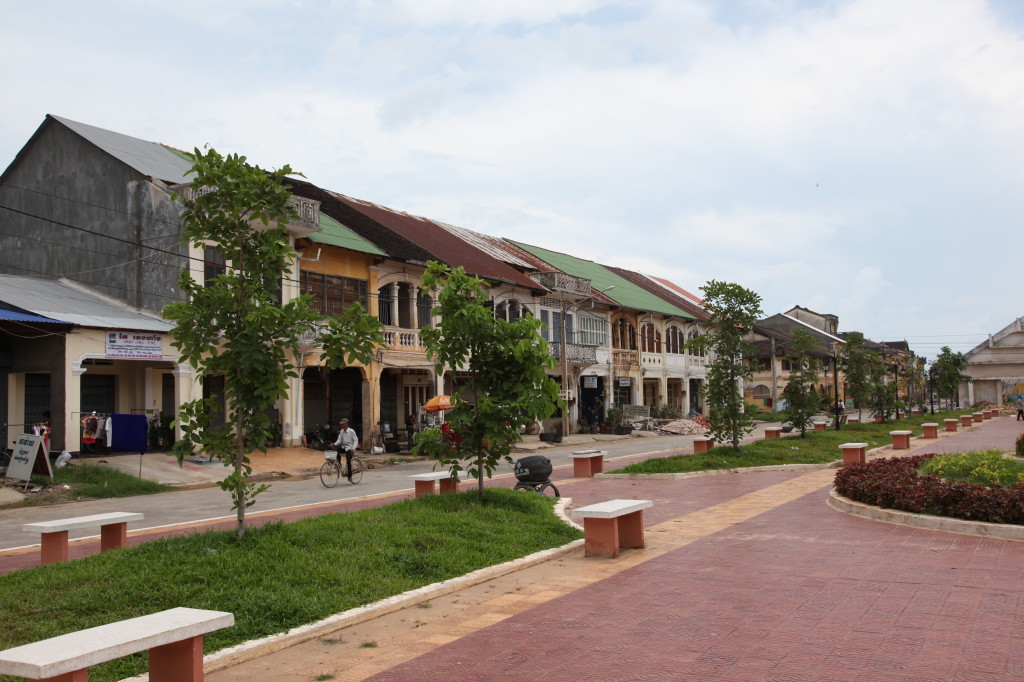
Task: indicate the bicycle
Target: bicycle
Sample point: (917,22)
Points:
(333,469)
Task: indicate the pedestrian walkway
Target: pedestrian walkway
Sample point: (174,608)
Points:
(745,577)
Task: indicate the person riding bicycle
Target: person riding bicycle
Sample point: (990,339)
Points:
(347,442)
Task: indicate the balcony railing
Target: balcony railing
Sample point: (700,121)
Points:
(577,354)
(308,209)
(559,281)
(625,357)
(397,338)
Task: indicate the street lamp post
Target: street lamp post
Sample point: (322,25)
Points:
(566,307)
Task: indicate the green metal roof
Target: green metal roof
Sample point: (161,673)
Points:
(625,293)
(334,233)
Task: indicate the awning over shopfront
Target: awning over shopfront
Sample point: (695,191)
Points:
(49,300)
(7,315)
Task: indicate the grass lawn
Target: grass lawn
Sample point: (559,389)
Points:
(88,482)
(281,575)
(819,447)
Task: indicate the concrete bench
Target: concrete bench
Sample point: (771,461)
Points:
(820,426)
(854,453)
(853,419)
(613,525)
(986,414)
(966,420)
(950,424)
(174,639)
(900,440)
(773,432)
(113,533)
(978,417)
(702,444)
(424,483)
(586,463)
(931,430)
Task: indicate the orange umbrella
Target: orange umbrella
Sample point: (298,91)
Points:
(438,403)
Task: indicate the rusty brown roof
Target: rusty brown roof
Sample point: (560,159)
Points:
(439,243)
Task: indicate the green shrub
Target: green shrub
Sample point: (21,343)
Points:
(988,467)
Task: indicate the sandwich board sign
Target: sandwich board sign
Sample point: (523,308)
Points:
(25,460)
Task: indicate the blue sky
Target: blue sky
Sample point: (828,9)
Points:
(861,158)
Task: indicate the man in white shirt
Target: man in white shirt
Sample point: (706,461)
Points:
(347,442)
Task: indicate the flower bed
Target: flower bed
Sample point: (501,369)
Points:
(894,483)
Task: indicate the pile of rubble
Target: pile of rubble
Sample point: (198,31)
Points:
(682,427)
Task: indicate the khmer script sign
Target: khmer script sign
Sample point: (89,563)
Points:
(135,345)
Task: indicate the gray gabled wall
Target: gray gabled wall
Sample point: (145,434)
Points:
(95,215)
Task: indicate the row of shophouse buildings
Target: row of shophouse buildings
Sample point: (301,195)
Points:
(90,252)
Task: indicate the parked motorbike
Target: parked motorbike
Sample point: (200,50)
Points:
(319,439)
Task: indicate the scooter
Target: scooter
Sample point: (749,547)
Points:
(320,439)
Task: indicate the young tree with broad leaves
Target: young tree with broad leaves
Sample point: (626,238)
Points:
(234,327)
(947,372)
(506,363)
(733,311)
(801,387)
(859,361)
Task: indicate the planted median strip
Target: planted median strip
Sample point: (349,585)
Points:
(818,447)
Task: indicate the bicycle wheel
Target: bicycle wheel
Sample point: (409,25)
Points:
(544,488)
(330,472)
(357,470)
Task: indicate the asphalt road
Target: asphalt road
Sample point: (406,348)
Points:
(204,504)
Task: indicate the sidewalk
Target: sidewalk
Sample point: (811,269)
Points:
(744,577)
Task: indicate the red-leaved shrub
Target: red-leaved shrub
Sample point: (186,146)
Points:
(894,483)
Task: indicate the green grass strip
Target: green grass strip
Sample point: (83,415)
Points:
(818,447)
(280,575)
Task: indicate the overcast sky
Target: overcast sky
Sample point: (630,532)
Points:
(863,158)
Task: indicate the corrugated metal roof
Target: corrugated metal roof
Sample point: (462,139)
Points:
(148,158)
(492,246)
(672,286)
(625,293)
(334,233)
(439,243)
(655,286)
(18,316)
(62,302)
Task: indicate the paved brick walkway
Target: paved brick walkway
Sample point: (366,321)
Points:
(745,577)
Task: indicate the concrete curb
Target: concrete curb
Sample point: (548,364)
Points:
(1000,531)
(715,472)
(246,651)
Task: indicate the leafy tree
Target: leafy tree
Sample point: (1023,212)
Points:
(506,362)
(801,393)
(883,395)
(733,311)
(233,326)
(859,361)
(947,373)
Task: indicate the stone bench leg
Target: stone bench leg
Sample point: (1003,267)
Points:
(448,485)
(586,467)
(605,537)
(113,536)
(424,488)
(177,662)
(54,547)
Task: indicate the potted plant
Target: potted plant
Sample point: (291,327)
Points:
(582,426)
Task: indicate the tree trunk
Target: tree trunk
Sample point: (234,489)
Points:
(239,480)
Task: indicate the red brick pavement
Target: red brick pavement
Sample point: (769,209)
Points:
(800,592)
